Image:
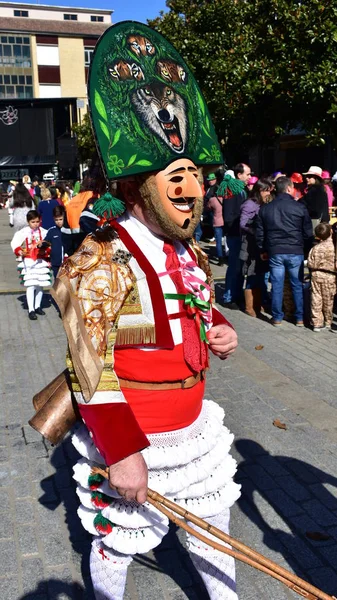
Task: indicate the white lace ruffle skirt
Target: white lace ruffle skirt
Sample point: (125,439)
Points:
(191,466)
(34,272)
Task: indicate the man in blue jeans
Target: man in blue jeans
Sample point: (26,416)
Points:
(283,232)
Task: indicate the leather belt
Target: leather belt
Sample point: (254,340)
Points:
(183,384)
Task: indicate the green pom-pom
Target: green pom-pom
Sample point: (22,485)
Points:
(103,525)
(95,480)
(100,500)
(108,207)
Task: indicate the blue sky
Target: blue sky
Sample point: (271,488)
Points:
(137,10)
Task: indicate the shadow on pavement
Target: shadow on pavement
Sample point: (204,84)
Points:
(283,482)
(61,489)
(46,303)
(57,590)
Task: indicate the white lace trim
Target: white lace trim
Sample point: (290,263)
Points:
(203,485)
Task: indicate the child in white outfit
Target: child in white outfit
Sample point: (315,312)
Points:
(34,269)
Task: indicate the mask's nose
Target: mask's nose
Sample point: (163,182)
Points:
(192,187)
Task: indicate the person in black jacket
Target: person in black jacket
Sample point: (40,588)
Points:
(283,232)
(233,192)
(316,199)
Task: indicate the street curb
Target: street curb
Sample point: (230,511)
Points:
(16,292)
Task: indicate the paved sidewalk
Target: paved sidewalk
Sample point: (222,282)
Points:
(288,477)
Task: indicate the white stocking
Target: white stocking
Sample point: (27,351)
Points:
(30,295)
(216,568)
(11,216)
(108,570)
(38,296)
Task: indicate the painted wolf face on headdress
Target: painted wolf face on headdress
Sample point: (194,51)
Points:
(149,116)
(145,105)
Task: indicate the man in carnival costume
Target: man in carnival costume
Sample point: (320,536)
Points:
(137,306)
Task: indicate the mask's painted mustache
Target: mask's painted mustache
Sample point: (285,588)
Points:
(182,200)
(186,224)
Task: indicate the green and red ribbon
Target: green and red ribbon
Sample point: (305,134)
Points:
(197,308)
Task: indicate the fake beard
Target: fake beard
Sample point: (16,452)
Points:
(156,214)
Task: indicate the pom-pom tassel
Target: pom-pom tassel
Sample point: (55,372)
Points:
(107,207)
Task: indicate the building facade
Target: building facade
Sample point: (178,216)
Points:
(45,51)
(45,54)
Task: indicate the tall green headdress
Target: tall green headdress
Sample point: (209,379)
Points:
(146,107)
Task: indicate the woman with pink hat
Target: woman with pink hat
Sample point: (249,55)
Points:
(251,182)
(316,199)
(328,187)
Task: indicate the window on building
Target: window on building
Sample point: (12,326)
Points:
(88,52)
(15,51)
(10,91)
(29,79)
(7,78)
(2,91)
(96,18)
(21,13)
(21,79)
(14,79)
(20,91)
(69,17)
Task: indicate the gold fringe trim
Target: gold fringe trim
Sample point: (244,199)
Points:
(142,334)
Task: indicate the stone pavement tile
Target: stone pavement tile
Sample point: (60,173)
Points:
(293,488)
(301,524)
(21,487)
(40,469)
(10,588)
(272,465)
(260,477)
(283,503)
(325,579)
(4,497)
(301,471)
(9,559)
(27,540)
(319,513)
(330,555)
(33,576)
(147,585)
(24,511)
(326,494)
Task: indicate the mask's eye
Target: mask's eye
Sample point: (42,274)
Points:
(147,91)
(169,93)
(195,175)
(176,179)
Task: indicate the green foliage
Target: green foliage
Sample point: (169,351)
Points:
(263,66)
(85,138)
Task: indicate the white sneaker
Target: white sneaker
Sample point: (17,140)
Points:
(316,329)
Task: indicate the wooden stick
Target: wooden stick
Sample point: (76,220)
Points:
(229,551)
(244,554)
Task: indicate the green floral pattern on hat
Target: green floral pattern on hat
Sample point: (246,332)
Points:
(145,105)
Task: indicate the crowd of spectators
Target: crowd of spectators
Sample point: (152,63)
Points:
(270,229)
